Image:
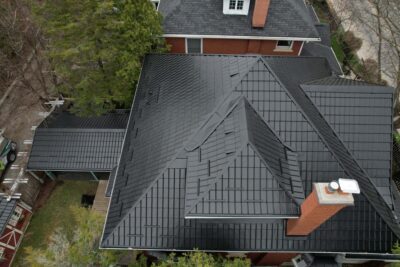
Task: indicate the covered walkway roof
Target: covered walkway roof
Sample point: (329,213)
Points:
(66,142)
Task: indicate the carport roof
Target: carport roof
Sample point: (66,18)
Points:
(66,142)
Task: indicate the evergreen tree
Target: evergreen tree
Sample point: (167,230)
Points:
(96,48)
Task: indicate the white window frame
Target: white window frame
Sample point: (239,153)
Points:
(228,11)
(284,48)
(201,45)
(154,2)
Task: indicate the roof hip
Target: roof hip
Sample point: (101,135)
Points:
(331,139)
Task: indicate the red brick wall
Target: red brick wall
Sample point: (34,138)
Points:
(313,215)
(177,45)
(235,46)
(271,259)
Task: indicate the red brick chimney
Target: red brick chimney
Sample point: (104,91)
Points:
(260,13)
(319,206)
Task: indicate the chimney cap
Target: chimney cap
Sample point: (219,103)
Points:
(349,186)
(332,198)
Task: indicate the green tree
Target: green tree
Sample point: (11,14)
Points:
(81,249)
(96,48)
(198,258)
(396,250)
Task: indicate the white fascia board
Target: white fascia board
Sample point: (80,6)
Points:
(242,37)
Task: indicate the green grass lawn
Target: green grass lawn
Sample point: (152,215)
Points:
(54,213)
(338,49)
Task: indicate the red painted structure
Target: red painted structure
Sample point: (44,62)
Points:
(12,235)
(236,46)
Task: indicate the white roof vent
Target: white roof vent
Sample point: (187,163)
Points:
(349,186)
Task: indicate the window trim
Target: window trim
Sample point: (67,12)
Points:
(154,3)
(243,11)
(236,5)
(284,48)
(201,45)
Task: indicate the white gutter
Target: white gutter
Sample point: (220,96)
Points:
(242,37)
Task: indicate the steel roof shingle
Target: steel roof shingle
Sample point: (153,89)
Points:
(65,142)
(147,207)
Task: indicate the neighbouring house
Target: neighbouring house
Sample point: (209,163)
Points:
(14,219)
(268,27)
(256,155)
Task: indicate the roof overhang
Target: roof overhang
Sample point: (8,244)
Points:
(205,36)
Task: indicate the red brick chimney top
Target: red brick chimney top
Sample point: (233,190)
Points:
(318,207)
(260,13)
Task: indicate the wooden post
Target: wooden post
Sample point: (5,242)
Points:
(94,176)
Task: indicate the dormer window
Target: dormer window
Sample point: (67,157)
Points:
(236,7)
(236,4)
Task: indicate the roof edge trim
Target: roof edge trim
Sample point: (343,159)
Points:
(242,37)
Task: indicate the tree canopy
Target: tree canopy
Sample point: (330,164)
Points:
(198,258)
(96,48)
(80,249)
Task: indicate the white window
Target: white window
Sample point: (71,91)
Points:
(156,3)
(236,4)
(15,216)
(194,46)
(236,7)
(284,45)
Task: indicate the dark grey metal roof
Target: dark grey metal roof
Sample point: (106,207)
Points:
(286,18)
(6,210)
(363,121)
(117,119)
(65,142)
(242,141)
(177,95)
(320,50)
(323,48)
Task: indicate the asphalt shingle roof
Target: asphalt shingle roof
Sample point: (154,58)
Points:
(65,142)
(286,18)
(177,95)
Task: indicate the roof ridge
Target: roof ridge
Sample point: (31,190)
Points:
(256,150)
(352,82)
